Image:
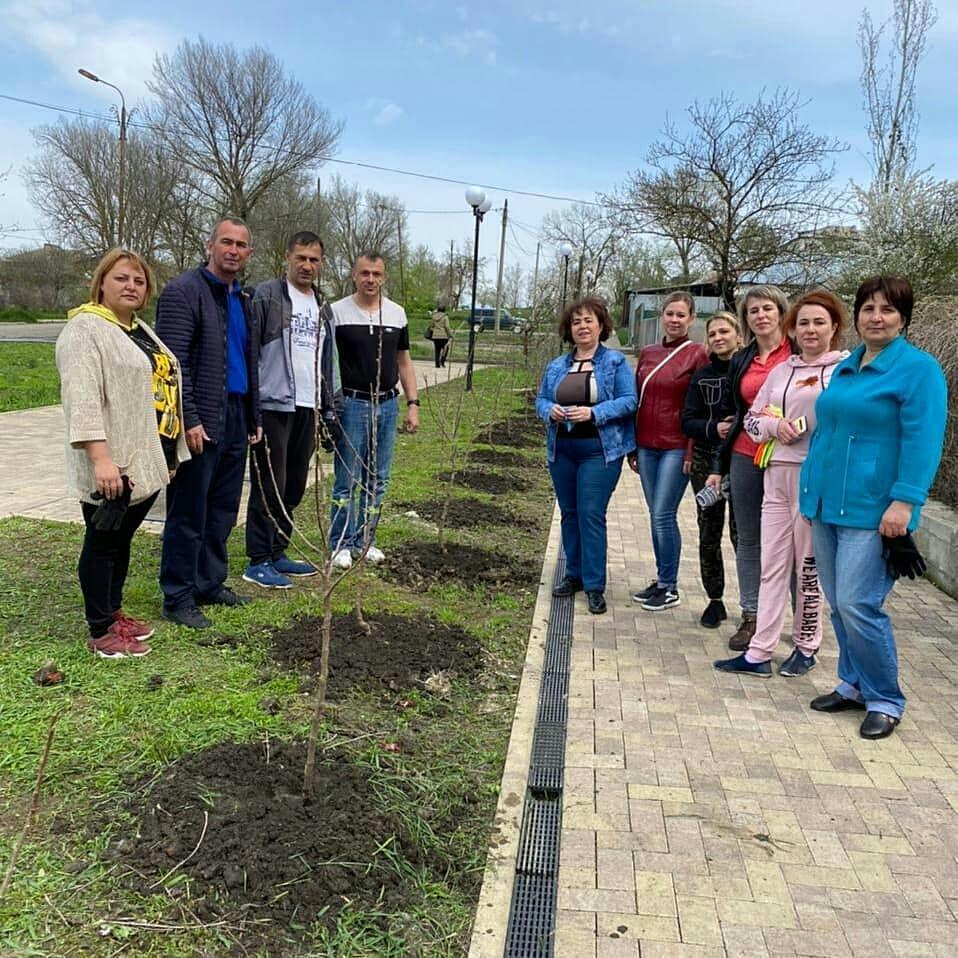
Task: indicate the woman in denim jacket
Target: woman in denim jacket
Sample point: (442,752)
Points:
(588,400)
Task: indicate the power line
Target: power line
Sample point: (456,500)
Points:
(325,158)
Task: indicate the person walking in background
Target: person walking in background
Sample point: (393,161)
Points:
(881,426)
(372,338)
(782,420)
(762,312)
(298,378)
(203,316)
(662,379)
(122,401)
(440,333)
(587,399)
(706,424)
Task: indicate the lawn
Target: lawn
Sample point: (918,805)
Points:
(28,376)
(144,845)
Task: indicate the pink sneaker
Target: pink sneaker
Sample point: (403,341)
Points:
(116,644)
(133,627)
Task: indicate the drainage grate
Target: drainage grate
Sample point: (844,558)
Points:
(553,698)
(539,841)
(531,922)
(558,651)
(531,930)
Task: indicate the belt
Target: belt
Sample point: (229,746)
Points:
(369,397)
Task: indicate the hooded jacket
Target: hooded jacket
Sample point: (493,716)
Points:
(271,314)
(793,387)
(705,400)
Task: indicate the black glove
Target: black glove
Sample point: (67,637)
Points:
(329,432)
(902,556)
(110,512)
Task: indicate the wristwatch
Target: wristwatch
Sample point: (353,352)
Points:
(413,402)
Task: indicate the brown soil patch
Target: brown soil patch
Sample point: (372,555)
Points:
(266,853)
(463,513)
(418,565)
(397,653)
(502,458)
(495,483)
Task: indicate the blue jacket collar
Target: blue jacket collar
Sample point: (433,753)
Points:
(883,362)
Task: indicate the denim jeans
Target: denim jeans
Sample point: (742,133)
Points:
(856,583)
(361,471)
(663,483)
(584,483)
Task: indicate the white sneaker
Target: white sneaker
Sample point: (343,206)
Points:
(375,556)
(342,559)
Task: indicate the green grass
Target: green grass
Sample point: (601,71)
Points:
(113,730)
(28,376)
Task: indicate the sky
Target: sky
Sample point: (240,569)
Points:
(555,97)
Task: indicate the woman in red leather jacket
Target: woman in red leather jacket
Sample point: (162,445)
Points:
(662,379)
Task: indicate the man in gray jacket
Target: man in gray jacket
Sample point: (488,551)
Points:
(298,381)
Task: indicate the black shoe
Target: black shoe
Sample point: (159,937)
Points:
(226,596)
(663,599)
(645,594)
(568,586)
(742,665)
(797,664)
(833,702)
(188,615)
(714,614)
(596,603)
(877,725)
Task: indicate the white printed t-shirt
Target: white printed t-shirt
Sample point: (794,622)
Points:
(303,334)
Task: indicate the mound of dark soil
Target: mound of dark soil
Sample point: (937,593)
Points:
(502,458)
(518,431)
(420,564)
(398,652)
(260,849)
(463,513)
(495,483)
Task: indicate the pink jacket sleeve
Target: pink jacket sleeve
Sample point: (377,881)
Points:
(761,427)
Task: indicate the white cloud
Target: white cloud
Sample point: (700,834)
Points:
(120,49)
(388,114)
(479,44)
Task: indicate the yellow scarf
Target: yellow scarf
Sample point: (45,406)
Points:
(102,311)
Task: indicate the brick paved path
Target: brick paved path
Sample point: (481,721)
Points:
(713,814)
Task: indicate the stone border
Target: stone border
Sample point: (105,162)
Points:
(937,538)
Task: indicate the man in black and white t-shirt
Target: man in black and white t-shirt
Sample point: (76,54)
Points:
(372,339)
(298,377)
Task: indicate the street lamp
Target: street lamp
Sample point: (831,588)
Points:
(589,279)
(565,251)
(476,198)
(121,189)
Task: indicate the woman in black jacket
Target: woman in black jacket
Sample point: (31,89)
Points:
(706,424)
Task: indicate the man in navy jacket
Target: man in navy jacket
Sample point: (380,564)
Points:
(203,317)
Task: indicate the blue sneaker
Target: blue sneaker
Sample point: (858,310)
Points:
(798,663)
(741,664)
(286,566)
(263,574)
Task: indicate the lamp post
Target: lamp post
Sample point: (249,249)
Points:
(565,251)
(476,198)
(589,278)
(121,188)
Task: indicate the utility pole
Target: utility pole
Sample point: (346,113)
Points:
(535,287)
(450,304)
(402,275)
(502,256)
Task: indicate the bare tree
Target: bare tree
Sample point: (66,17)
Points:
(356,222)
(750,181)
(889,89)
(236,120)
(593,233)
(74,181)
(46,278)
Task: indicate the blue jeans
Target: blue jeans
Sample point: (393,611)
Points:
(663,483)
(584,484)
(856,583)
(361,471)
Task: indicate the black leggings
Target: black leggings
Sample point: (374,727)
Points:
(439,345)
(104,561)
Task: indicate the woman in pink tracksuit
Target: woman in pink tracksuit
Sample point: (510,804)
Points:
(784,413)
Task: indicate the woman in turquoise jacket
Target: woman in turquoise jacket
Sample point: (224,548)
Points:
(587,398)
(873,457)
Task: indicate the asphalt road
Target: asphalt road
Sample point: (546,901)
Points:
(30,332)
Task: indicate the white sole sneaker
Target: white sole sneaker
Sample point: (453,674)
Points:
(342,560)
